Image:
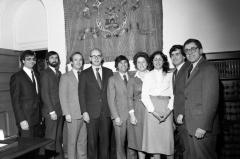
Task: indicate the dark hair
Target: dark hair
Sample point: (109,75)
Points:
(177,47)
(195,41)
(50,53)
(77,53)
(120,58)
(165,65)
(140,54)
(25,54)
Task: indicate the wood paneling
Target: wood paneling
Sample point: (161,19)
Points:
(9,64)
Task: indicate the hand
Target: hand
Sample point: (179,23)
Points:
(133,119)
(180,119)
(86,117)
(53,115)
(118,121)
(24,125)
(68,118)
(199,134)
(157,116)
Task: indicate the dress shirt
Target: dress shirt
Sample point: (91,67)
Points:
(179,66)
(29,73)
(95,72)
(75,72)
(157,83)
(195,63)
(52,68)
(122,74)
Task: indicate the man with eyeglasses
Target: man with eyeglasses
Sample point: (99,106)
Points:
(94,106)
(24,91)
(180,63)
(201,103)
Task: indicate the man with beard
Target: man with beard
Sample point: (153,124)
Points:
(51,109)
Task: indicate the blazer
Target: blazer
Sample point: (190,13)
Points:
(178,89)
(117,97)
(201,98)
(50,92)
(93,99)
(68,93)
(25,100)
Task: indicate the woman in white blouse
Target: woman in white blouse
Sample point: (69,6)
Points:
(157,96)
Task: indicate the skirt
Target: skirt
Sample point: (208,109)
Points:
(158,137)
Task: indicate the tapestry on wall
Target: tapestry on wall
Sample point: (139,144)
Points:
(117,27)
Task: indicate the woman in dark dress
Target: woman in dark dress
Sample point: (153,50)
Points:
(137,110)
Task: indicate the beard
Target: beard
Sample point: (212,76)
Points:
(53,64)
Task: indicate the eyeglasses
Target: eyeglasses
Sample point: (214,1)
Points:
(30,58)
(96,56)
(191,50)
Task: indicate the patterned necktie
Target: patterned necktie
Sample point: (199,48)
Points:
(190,70)
(99,78)
(125,79)
(33,80)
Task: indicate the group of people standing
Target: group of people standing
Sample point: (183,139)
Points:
(144,110)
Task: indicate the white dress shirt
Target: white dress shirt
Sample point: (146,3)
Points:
(157,83)
(95,72)
(29,73)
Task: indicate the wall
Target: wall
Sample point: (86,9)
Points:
(216,23)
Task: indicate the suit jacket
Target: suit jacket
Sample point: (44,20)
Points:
(178,89)
(68,93)
(25,100)
(117,97)
(93,99)
(50,92)
(201,98)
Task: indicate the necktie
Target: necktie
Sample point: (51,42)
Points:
(189,70)
(125,79)
(99,78)
(174,76)
(78,72)
(33,80)
(57,72)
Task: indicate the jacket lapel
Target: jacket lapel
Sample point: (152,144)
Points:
(93,78)
(194,71)
(73,77)
(121,81)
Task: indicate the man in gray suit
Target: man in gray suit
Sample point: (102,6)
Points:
(201,103)
(68,93)
(118,104)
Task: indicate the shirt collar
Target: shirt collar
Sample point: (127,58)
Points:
(195,63)
(122,74)
(179,66)
(138,76)
(94,67)
(52,68)
(27,70)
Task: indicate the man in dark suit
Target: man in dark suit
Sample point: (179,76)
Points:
(51,109)
(94,106)
(180,63)
(24,90)
(201,103)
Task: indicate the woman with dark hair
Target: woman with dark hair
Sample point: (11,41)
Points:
(137,110)
(157,97)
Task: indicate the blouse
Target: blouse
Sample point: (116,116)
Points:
(157,83)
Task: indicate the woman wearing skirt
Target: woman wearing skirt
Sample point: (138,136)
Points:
(137,110)
(157,97)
